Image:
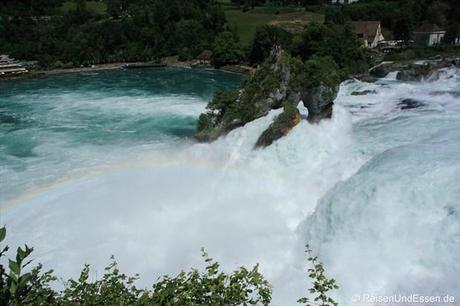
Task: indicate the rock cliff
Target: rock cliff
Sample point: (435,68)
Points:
(281,81)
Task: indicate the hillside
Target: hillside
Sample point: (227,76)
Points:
(290,18)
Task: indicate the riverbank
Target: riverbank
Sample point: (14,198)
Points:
(101,67)
(168,61)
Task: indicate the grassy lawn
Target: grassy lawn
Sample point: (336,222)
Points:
(290,18)
(92,6)
(246,23)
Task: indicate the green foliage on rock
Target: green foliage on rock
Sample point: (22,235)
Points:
(280,78)
(224,103)
(264,40)
(314,72)
(231,109)
(258,88)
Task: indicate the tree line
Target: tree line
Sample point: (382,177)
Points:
(141,30)
(134,31)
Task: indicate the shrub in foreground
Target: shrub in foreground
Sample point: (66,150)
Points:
(22,285)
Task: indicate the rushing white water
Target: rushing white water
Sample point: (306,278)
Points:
(375,191)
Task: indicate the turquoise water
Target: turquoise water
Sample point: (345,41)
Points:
(56,124)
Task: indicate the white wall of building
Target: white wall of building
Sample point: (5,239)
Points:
(436,38)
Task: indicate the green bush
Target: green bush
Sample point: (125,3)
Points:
(23,285)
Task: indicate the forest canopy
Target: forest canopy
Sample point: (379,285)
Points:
(128,31)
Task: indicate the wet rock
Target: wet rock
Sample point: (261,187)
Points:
(318,105)
(365,78)
(410,104)
(415,73)
(381,71)
(280,127)
(363,93)
(456,94)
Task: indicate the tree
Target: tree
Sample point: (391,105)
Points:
(226,50)
(336,41)
(116,8)
(190,35)
(403,28)
(452,33)
(265,38)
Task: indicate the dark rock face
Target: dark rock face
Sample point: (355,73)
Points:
(364,77)
(363,93)
(280,127)
(317,102)
(279,81)
(381,71)
(415,73)
(410,104)
(409,71)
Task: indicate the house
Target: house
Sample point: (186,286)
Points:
(369,32)
(343,1)
(428,34)
(10,67)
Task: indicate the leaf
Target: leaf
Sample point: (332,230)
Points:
(14,267)
(13,288)
(2,233)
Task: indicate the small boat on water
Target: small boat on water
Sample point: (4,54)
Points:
(143,65)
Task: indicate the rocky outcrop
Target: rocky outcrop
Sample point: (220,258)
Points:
(381,71)
(317,100)
(279,81)
(363,93)
(280,127)
(410,104)
(413,71)
(416,72)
